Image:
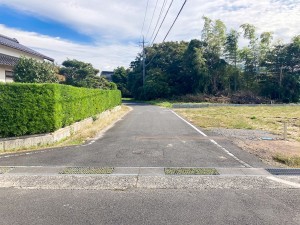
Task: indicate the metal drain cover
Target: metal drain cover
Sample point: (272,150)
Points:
(191,171)
(5,169)
(286,172)
(87,170)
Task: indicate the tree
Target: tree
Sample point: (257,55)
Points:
(214,37)
(194,73)
(156,85)
(76,72)
(120,78)
(250,54)
(81,74)
(231,54)
(29,70)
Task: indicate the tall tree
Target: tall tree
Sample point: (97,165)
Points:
(194,73)
(251,54)
(231,53)
(214,35)
(120,78)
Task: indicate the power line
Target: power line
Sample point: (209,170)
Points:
(169,30)
(175,20)
(162,21)
(144,18)
(151,19)
(162,8)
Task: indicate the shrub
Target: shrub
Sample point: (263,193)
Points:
(40,108)
(29,70)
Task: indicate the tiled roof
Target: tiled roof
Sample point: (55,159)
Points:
(13,43)
(8,60)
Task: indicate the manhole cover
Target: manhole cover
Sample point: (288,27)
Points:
(87,170)
(5,169)
(286,172)
(191,171)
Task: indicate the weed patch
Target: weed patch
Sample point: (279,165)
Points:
(292,161)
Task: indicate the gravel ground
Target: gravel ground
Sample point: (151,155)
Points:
(261,143)
(254,135)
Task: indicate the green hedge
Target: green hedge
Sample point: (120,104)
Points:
(41,108)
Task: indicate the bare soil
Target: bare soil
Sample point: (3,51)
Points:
(262,144)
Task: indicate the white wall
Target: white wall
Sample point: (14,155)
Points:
(16,53)
(2,73)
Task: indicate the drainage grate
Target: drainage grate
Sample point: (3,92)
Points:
(191,171)
(87,170)
(5,169)
(287,172)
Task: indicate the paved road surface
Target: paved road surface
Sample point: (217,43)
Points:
(147,136)
(139,207)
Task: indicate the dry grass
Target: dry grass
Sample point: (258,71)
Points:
(96,129)
(99,126)
(292,161)
(257,117)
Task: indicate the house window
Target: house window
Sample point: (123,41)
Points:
(8,76)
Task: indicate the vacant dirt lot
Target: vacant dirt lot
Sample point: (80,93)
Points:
(258,129)
(261,143)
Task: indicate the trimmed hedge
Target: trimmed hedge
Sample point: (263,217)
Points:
(41,108)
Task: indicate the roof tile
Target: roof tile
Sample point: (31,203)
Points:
(13,43)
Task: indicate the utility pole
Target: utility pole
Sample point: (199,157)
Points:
(144,58)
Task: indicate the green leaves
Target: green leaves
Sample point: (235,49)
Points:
(29,70)
(41,108)
(81,74)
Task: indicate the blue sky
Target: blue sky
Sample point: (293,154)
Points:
(107,33)
(25,21)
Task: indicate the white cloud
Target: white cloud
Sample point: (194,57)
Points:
(103,57)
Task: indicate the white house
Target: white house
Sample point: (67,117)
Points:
(10,52)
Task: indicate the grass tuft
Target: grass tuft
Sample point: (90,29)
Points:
(292,161)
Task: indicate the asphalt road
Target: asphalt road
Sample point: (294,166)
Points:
(147,136)
(139,207)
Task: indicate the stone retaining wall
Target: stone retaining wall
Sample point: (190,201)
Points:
(29,141)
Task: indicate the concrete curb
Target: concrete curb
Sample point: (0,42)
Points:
(142,178)
(49,138)
(123,182)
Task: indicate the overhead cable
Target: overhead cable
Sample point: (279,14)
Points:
(162,22)
(144,18)
(158,19)
(151,19)
(169,30)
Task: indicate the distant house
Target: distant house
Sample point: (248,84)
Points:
(10,52)
(107,74)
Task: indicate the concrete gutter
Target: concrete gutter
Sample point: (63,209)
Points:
(30,141)
(144,178)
